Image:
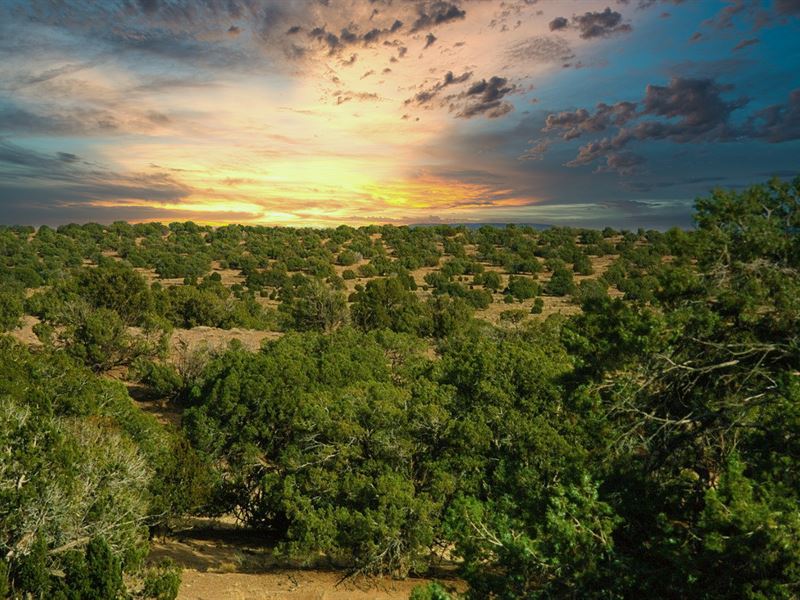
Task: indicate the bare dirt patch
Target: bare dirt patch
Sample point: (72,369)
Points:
(24,333)
(290,585)
(215,339)
(221,561)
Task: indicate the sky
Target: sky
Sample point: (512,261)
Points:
(322,112)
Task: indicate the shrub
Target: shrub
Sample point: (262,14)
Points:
(561,283)
(11,310)
(522,288)
(163,581)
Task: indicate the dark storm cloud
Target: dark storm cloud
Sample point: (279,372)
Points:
(436,13)
(430,40)
(558,23)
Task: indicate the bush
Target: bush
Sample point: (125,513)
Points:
(513,316)
(163,379)
(561,283)
(489,279)
(522,288)
(582,265)
(347,258)
(430,591)
(11,310)
(162,582)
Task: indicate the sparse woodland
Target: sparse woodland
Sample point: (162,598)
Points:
(558,413)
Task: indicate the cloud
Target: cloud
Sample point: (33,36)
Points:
(537,150)
(426,95)
(574,124)
(68,121)
(430,40)
(592,24)
(750,11)
(600,24)
(67,157)
(541,49)
(61,179)
(484,97)
(623,163)
(745,43)
(787,7)
(777,123)
(698,103)
(686,110)
(437,13)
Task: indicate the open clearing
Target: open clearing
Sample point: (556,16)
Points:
(222,561)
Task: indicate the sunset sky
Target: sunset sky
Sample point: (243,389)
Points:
(322,112)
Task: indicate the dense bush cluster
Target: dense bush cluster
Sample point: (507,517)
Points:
(84,475)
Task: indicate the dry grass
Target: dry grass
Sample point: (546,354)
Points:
(215,339)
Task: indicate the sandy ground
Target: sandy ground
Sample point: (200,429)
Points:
(223,561)
(289,585)
(24,333)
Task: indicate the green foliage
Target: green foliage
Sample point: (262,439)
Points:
(646,447)
(387,304)
(162,582)
(330,462)
(317,307)
(78,440)
(430,591)
(582,265)
(489,279)
(11,310)
(522,288)
(97,337)
(560,283)
(513,316)
(162,378)
(117,288)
